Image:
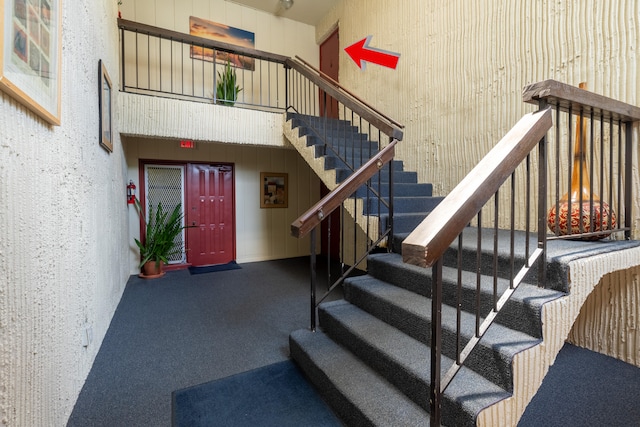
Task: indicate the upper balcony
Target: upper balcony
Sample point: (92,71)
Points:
(179,74)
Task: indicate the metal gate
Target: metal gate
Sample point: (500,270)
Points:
(165,184)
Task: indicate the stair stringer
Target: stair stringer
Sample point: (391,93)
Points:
(558,316)
(354,206)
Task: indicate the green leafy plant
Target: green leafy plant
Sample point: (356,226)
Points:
(162,228)
(226,88)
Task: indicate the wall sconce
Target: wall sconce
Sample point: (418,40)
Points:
(131,193)
(286,4)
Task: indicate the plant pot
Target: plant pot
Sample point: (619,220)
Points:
(152,270)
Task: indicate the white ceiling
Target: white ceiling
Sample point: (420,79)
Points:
(307,11)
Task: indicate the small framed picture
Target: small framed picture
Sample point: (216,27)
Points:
(104,101)
(274,188)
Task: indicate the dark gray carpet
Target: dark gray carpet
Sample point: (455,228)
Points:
(214,268)
(276,395)
(182,330)
(584,388)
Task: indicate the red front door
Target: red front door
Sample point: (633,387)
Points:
(210,213)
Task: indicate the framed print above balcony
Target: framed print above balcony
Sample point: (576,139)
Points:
(30,63)
(104,103)
(222,33)
(274,190)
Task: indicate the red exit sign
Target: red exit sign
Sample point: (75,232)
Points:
(187,144)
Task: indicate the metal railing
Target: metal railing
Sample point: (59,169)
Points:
(359,142)
(602,151)
(160,62)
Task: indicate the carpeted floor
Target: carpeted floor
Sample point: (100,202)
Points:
(276,395)
(185,330)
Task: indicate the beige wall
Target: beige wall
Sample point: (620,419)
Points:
(272,34)
(63,231)
(226,134)
(463,66)
(609,321)
(261,234)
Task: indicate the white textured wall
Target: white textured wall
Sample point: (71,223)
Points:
(261,234)
(169,118)
(63,230)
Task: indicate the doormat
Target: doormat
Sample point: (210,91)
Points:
(274,395)
(213,268)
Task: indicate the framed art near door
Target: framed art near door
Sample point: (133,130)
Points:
(30,61)
(274,190)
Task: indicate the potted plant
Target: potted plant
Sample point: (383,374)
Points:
(226,88)
(159,244)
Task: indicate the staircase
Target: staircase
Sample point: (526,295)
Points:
(334,148)
(371,358)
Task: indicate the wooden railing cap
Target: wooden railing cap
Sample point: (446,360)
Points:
(428,242)
(566,96)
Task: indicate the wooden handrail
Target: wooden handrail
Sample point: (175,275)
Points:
(364,111)
(566,96)
(199,41)
(314,216)
(342,88)
(427,243)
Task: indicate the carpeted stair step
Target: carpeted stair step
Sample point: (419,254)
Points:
(403,223)
(398,176)
(400,189)
(411,313)
(358,395)
(332,162)
(405,362)
(522,312)
(320,124)
(326,134)
(337,148)
(402,204)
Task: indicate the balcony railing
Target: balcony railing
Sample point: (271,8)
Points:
(160,62)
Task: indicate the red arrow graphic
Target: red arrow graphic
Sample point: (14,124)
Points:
(361,53)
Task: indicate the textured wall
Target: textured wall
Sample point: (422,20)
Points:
(463,65)
(168,118)
(558,316)
(63,230)
(261,234)
(609,321)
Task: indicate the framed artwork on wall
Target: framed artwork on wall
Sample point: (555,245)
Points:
(274,190)
(104,102)
(223,33)
(30,61)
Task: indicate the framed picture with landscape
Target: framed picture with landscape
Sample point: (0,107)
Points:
(274,190)
(226,34)
(30,61)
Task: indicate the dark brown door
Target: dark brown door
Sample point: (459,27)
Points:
(329,54)
(210,212)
